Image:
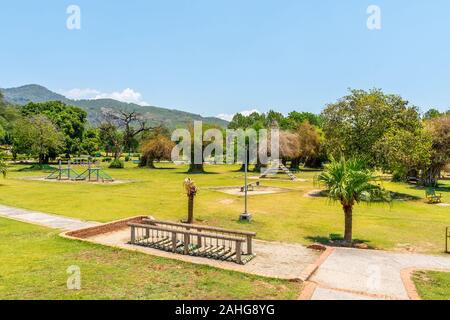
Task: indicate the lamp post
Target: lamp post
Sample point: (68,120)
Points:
(245,216)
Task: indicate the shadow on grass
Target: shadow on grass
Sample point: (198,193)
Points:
(197,173)
(404,196)
(439,188)
(336,240)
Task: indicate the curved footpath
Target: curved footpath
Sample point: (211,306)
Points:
(344,274)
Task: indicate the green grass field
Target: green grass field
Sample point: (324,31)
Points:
(408,224)
(432,285)
(35,261)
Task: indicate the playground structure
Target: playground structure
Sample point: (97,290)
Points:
(91,174)
(275,168)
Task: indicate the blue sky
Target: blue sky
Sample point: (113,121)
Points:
(221,57)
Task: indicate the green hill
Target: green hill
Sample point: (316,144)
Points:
(155,115)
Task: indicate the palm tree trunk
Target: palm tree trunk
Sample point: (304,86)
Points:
(190,209)
(348,211)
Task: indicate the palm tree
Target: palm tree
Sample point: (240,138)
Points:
(191,191)
(349,181)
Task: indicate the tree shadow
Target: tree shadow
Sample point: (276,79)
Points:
(197,173)
(439,188)
(336,240)
(404,196)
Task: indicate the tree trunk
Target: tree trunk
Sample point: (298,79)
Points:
(431,176)
(348,236)
(150,163)
(195,167)
(295,164)
(190,209)
(258,165)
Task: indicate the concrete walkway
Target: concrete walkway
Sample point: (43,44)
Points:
(369,274)
(44,219)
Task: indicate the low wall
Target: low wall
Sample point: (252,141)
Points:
(104,228)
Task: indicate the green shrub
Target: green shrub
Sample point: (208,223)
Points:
(38,167)
(127,158)
(116,164)
(107,159)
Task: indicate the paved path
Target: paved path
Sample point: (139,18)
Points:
(361,274)
(44,219)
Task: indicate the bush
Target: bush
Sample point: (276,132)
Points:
(38,167)
(116,164)
(98,154)
(127,158)
(107,159)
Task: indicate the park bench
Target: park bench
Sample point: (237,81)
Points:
(196,240)
(250,187)
(432,197)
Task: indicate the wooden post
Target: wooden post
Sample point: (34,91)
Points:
(186,243)
(133,236)
(249,244)
(199,240)
(238,252)
(174,241)
(147,233)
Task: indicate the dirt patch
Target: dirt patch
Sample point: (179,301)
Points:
(443,204)
(227,201)
(72,181)
(257,190)
(315,194)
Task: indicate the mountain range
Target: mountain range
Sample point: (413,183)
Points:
(155,115)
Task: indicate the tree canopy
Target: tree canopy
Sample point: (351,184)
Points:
(70,120)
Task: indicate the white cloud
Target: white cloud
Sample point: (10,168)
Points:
(127,95)
(229,117)
(78,94)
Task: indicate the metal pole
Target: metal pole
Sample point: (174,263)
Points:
(245,186)
(245,216)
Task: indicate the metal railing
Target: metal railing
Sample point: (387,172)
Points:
(210,242)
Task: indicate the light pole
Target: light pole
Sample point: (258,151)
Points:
(245,216)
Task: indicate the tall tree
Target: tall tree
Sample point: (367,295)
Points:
(131,122)
(157,148)
(111,139)
(439,129)
(349,182)
(356,122)
(70,120)
(38,136)
(403,153)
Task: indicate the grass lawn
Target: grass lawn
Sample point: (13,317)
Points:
(409,224)
(432,285)
(35,260)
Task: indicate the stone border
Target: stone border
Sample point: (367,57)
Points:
(307,291)
(102,228)
(410,287)
(312,268)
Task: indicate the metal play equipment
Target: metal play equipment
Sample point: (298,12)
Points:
(63,173)
(91,174)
